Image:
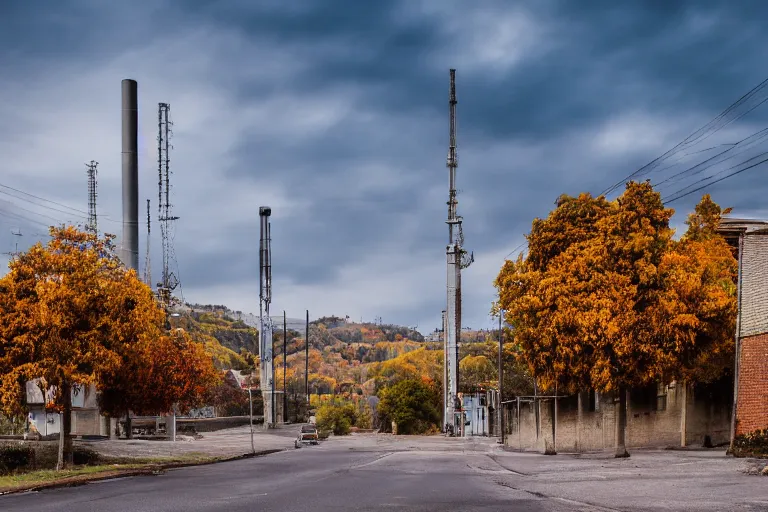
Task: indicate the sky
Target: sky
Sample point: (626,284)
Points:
(335,114)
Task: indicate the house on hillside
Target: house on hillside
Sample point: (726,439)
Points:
(749,239)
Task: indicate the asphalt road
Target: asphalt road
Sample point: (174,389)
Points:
(412,474)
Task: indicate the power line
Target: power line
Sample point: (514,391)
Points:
(712,161)
(699,135)
(680,196)
(41,198)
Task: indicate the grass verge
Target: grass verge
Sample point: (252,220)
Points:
(47,478)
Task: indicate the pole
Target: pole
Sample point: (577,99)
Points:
(737,360)
(272,387)
(285,362)
(250,402)
(501,378)
(306,357)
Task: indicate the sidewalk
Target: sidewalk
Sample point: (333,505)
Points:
(221,443)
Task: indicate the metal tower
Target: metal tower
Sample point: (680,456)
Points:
(266,371)
(169,279)
(147,261)
(457,259)
(92,225)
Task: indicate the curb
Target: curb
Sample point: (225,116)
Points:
(149,470)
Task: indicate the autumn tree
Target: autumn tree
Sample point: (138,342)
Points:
(66,309)
(412,404)
(71,314)
(606,299)
(157,375)
(477,373)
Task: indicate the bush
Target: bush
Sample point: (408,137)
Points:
(413,405)
(754,444)
(84,456)
(336,418)
(15,457)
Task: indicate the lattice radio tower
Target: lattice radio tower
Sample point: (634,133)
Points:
(147,260)
(92,172)
(166,220)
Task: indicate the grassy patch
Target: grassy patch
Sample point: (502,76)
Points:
(44,476)
(107,468)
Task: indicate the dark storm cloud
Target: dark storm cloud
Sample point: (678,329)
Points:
(370,176)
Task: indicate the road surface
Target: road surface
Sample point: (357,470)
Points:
(370,472)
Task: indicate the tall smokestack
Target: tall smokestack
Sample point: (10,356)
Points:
(130,251)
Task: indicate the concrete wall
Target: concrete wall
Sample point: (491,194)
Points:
(654,419)
(752,404)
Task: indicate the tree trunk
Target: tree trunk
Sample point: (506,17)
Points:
(128,428)
(60,461)
(621,424)
(65,429)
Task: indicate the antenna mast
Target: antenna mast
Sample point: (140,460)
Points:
(147,262)
(457,259)
(164,217)
(266,371)
(92,172)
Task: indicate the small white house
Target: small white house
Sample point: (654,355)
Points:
(86,418)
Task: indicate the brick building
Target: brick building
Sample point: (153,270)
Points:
(749,238)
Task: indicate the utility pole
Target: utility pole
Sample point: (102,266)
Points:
(306,358)
(92,225)
(501,377)
(285,367)
(457,259)
(265,322)
(15,252)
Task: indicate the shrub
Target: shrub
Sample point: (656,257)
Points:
(15,457)
(753,444)
(84,456)
(336,418)
(413,405)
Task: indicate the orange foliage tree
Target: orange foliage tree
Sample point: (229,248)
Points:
(71,314)
(157,375)
(606,299)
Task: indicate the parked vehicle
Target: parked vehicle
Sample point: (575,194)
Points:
(307,435)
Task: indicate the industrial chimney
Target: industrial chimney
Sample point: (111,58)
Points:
(130,113)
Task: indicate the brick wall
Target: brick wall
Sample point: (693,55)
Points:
(752,405)
(651,423)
